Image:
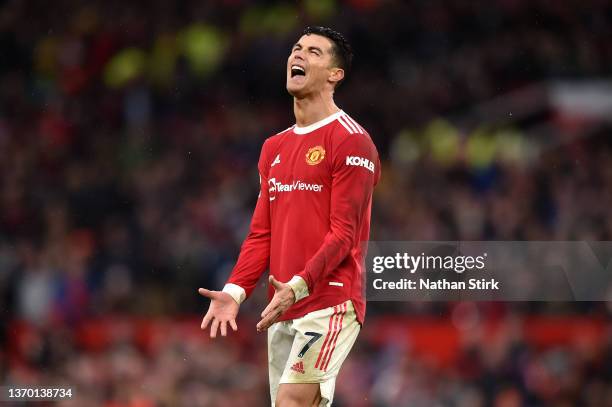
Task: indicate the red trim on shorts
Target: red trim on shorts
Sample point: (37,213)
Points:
(335,338)
(331,317)
(331,338)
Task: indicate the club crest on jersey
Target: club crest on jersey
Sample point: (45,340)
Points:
(315,155)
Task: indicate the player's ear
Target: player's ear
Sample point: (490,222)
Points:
(336,75)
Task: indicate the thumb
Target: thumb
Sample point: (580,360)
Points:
(207,293)
(275,283)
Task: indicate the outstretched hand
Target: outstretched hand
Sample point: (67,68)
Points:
(222,309)
(284,297)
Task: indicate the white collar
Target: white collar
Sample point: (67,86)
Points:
(317,125)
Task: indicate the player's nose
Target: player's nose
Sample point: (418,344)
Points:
(298,54)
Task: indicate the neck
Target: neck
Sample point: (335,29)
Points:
(311,109)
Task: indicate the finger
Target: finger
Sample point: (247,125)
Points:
(266,323)
(268,320)
(275,283)
(261,326)
(233,325)
(205,321)
(213,328)
(207,293)
(224,328)
(273,304)
(266,311)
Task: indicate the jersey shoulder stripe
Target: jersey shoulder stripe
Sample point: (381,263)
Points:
(357,126)
(344,124)
(350,124)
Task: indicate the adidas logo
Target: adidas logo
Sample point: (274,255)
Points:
(298,367)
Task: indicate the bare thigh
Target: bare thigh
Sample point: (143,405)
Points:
(298,395)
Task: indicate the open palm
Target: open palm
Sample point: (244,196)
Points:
(221,311)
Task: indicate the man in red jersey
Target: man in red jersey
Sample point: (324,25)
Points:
(310,228)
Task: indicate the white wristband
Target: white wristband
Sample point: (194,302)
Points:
(237,292)
(299,287)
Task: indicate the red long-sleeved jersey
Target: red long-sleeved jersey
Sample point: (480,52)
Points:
(312,217)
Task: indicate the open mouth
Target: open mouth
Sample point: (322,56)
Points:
(297,71)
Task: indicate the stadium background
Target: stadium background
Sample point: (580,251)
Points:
(129,135)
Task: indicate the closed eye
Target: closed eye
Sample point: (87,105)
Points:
(315,50)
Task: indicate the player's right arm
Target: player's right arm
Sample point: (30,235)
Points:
(252,262)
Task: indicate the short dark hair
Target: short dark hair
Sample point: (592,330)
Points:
(341,49)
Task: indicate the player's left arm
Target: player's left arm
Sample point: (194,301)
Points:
(356,170)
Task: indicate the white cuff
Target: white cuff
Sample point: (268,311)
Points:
(237,292)
(299,287)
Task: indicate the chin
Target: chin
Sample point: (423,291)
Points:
(295,91)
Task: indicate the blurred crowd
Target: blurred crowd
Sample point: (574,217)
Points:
(130,131)
(494,362)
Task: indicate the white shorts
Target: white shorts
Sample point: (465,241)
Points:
(311,349)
